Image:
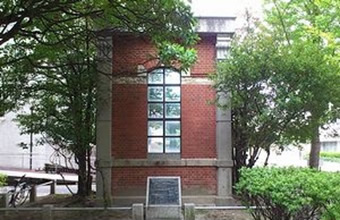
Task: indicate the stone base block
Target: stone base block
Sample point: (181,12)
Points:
(163,213)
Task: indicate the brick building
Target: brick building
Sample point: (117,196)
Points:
(156,121)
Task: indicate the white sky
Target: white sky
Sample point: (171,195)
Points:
(225,8)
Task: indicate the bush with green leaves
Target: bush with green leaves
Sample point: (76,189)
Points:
(3,179)
(290,193)
(330,156)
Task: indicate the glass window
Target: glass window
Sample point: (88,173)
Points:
(155,110)
(155,128)
(155,93)
(164,111)
(172,77)
(172,128)
(156,77)
(329,146)
(155,145)
(172,145)
(172,110)
(172,93)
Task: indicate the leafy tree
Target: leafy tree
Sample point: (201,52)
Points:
(17,17)
(303,25)
(169,23)
(280,92)
(57,67)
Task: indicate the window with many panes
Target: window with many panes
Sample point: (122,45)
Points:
(164,111)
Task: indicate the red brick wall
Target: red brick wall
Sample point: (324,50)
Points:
(191,177)
(130,51)
(198,122)
(129,117)
(206,56)
(129,121)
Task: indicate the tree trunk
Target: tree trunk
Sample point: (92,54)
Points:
(314,156)
(82,175)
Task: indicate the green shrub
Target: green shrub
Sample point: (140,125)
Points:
(333,212)
(289,193)
(331,156)
(3,179)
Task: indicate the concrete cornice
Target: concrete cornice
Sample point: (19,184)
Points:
(171,163)
(186,80)
(218,25)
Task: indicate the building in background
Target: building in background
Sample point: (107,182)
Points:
(15,147)
(12,153)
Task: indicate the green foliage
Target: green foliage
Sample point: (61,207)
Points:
(331,156)
(313,24)
(3,179)
(282,80)
(51,61)
(333,212)
(25,26)
(289,193)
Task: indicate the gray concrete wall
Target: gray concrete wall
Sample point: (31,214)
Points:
(104,122)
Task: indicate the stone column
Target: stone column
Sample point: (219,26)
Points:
(104,121)
(224,153)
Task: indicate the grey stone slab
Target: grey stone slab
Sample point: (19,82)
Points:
(166,212)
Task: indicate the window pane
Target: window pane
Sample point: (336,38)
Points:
(155,110)
(172,110)
(155,93)
(156,77)
(172,77)
(155,145)
(172,145)
(155,128)
(173,93)
(172,128)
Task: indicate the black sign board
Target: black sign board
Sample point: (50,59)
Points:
(163,191)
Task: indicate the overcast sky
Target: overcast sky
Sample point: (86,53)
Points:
(225,8)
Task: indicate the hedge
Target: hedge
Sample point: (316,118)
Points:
(290,193)
(331,156)
(3,179)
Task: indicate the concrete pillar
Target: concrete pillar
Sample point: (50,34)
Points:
(104,131)
(53,187)
(33,193)
(4,200)
(138,211)
(224,152)
(189,211)
(47,212)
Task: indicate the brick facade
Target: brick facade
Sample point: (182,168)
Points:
(130,51)
(129,119)
(202,179)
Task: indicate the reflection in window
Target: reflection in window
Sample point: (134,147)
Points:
(164,111)
(172,128)
(172,93)
(172,145)
(155,93)
(155,110)
(155,145)
(172,110)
